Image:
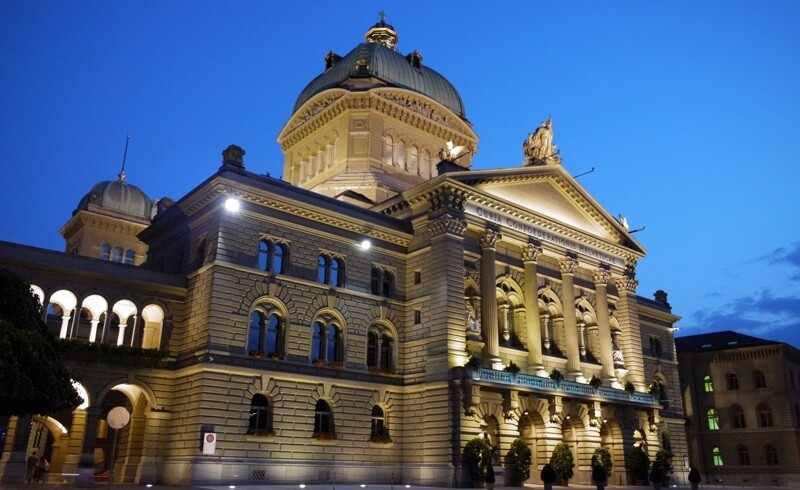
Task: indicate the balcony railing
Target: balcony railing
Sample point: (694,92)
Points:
(564,387)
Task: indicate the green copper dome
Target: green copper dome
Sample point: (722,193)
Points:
(377,59)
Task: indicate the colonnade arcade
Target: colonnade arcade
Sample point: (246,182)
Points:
(81,438)
(94,319)
(528,311)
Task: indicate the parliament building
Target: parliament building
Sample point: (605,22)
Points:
(358,320)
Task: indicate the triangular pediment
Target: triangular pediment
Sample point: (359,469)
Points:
(548,192)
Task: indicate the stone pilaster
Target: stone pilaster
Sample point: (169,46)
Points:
(568,265)
(488,242)
(87,462)
(601,278)
(14,468)
(446,341)
(533,328)
(631,337)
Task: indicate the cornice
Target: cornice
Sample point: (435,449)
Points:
(658,315)
(403,105)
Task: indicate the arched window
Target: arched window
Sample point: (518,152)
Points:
(759,379)
(733,381)
(260,416)
(372,349)
(379,430)
(130,256)
(655,347)
(716,456)
(382,281)
(411,162)
(771,454)
(323,422)
(265,337)
(330,270)
(200,259)
(713,419)
(326,342)
(386,352)
(737,415)
(744,455)
(116,255)
(400,154)
(387,150)
(425,165)
(708,385)
(263,255)
(105,251)
(271,256)
(764,416)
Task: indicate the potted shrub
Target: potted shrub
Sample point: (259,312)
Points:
(511,368)
(629,388)
(490,476)
(655,477)
(602,459)
(595,382)
(694,477)
(637,464)
(477,453)
(599,476)
(518,463)
(556,376)
(663,463)
(562,462)
(548,476)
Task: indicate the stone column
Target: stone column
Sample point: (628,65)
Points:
(86,465)
(533,327)
(14,462)
(488,242)
(631,337)
(568,265)
(601,278)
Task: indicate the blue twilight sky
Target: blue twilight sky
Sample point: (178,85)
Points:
(688,111)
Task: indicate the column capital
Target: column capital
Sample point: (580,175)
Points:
(489,238)
(447,224)
(626,284)
(447,198)
(531,252)
(602,276)
(568,265)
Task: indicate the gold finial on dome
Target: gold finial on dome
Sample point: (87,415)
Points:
(382,33)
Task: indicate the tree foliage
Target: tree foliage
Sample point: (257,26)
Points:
(477,454)
(33,378)
(562,461)
(637,463)
(602,458)
(518,463)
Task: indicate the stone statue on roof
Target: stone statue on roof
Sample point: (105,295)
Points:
(538,147)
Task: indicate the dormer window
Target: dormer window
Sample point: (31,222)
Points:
(414,59)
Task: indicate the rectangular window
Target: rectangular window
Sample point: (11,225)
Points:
(417,277)
(417,317)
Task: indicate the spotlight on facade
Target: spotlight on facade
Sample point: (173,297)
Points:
(362,485)
(408,486)
(232,204)
(365,244)
(302,485)
(149,485)
(231,486)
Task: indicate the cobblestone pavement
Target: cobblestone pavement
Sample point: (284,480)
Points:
(103,486)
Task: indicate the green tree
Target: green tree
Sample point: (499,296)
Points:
(518,463)
(663,464)
(33,378)
(562,461)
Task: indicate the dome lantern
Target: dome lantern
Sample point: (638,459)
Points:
(382,33)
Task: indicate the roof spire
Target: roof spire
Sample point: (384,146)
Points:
(121,173)
(382,33)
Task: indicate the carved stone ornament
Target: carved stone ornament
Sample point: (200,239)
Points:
(447,198)
(489,238)
(233,155)
(568,265)
(531,252)
(447,224)
(415,105)
(627,284)
(602,276)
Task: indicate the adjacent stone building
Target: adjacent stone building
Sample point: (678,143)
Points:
(318,327)
(741,395)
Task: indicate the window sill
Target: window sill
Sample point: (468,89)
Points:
(259,437)
(381,445)
(324,442)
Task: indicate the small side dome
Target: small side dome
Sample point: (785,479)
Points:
(117,196)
